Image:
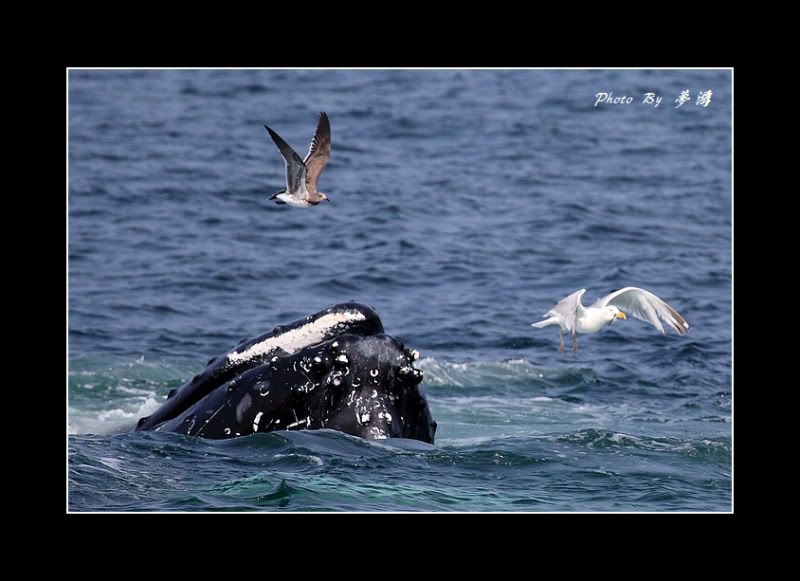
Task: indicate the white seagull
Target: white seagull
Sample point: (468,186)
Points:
(570,315)
(302,175)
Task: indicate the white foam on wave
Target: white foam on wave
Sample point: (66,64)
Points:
(150,405)
(113,419)
(113,463)
(474,374)
(308,457)
(514,398)
(108,396)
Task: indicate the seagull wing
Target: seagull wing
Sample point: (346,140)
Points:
(646,306)
(295,168)
(569,309)
(318,152)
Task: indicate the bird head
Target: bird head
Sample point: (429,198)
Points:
(321,198)
(614,313)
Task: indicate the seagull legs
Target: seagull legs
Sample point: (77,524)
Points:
(561,336)
(574,342)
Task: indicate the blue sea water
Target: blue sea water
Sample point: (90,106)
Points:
(465,203)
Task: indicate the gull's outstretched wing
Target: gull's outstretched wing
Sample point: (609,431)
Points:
(646,306)
(569,309)
(295,168)
(318,152)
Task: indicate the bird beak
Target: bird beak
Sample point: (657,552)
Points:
(620,315)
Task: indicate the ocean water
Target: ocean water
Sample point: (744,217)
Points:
(464,205)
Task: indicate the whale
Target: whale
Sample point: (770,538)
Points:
(352,318)
(335,369)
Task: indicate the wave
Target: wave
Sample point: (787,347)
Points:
(478,399)
(327,470)
(511,372)
(107,396)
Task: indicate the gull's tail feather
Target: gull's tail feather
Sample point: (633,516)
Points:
(545,323)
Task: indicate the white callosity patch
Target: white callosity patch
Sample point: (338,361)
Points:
(256,420)
(377,433)
(305,364)
(360,408)
(379,407)
(342,359)
(295,339)
(307,386)
(335,377)
(306,421)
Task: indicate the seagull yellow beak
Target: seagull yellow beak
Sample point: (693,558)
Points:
(620,315)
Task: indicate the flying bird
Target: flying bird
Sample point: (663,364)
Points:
(302,175)
(570,315)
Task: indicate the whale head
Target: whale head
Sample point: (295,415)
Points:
(372,389)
